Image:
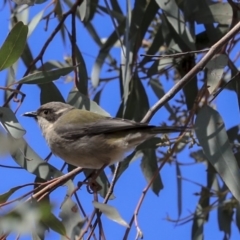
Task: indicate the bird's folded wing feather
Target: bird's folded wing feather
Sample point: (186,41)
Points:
(102,126)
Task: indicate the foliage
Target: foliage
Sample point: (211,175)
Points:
(158,41)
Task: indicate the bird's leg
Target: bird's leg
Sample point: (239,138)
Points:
(93,185)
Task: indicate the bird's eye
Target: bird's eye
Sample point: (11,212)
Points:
(45,112)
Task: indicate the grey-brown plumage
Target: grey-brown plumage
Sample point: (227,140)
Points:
(88,139)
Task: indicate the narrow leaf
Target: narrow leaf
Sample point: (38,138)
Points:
(34,22)
(45,77)
(79,100)
(55,224)
(149,167)
(13,46)
(111,213)
(10,123)
(179,189)
(213,138)
(4,197)
(215,68)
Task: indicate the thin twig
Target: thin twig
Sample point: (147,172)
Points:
(108,195)
(73,43)
(49,40)
(187,78)
(175,55)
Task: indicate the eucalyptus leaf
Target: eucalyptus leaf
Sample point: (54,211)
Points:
(213,139)
(215,68)
(45,76)
(111,213)
(34,22)
(149,167)
(103,182)
(177,21)
(10,123)
(4,197)
(179,188)
(79,100)
(28,2)
(104,52)
(13,46)
(54,223)
(83,9)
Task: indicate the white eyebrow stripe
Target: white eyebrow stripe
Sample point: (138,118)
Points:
(61,110)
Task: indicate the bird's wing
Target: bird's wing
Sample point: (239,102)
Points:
(83,124)
(102,126)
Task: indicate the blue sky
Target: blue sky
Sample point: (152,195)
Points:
(129,188)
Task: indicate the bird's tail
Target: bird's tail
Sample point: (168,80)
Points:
(169,129)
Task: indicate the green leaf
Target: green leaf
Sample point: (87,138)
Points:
(45,77)
(104,52)
(216,13)
(225,214)
(149,167)
(237,217)
(83,9)
(70,215)
(179,188)
(111,213)
(13,46)
(213,138)
(177,21)
(82,73)
(103,182)
(79,100)
(4,197)
(137,103)
(54,223)
(28,2)
(34,22)
(10,123)
(50,93)
(159,91)
(215,68)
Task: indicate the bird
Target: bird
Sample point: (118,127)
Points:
(88,139)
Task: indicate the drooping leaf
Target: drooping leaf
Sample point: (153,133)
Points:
(215,13)
(70,215)
(179,188)
(34,22)
(137,103)
(28,2)
(78,100)
(4,197)
(13,46)
(103,53)
(111,213)
(83,9)
(215,69)
(199,220)
(50,93)
(103,182)
(45,77)
(225,214)
(10,123)
(213,139)
(82,73)
(54,223)
(237,216)
(177,21)
(158,89)
(149,167)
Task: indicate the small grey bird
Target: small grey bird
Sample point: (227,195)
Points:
(90,140)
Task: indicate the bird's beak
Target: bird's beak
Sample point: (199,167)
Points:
(30,114)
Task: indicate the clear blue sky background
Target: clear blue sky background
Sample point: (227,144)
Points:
(129,188)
